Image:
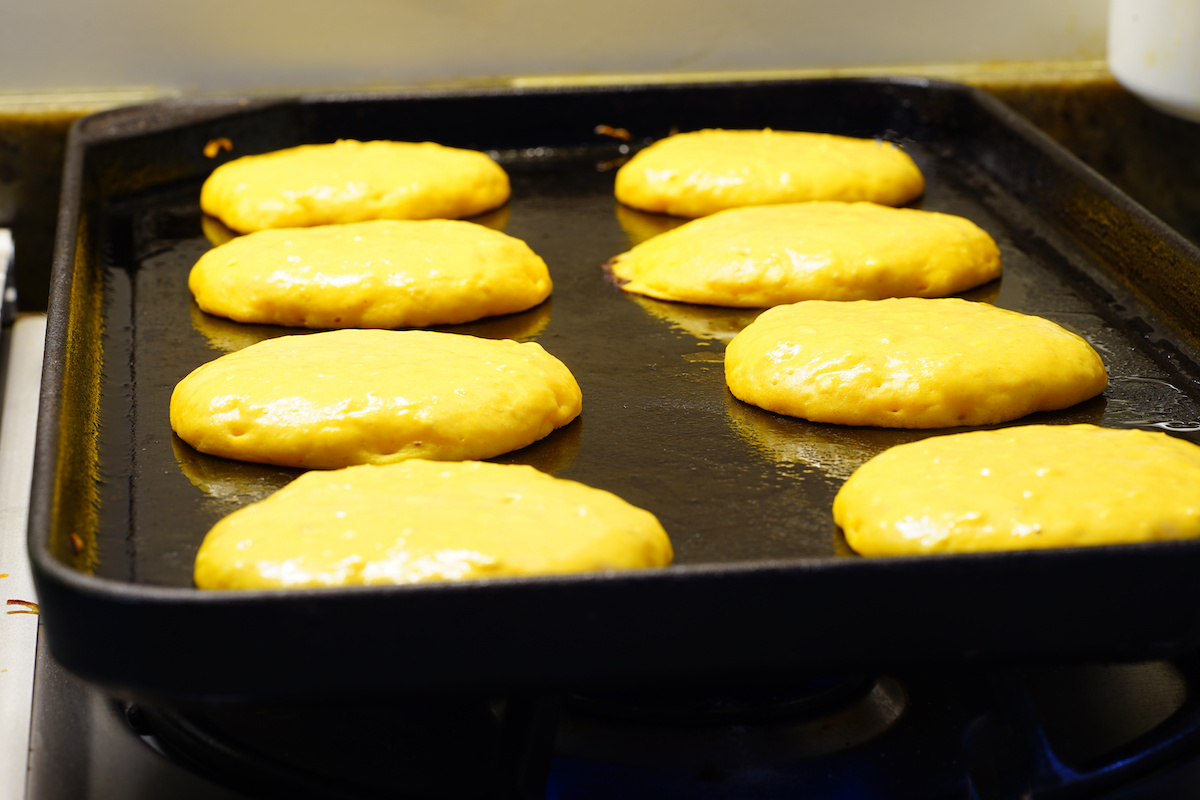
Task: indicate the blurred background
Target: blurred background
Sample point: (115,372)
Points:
(60,59)
(282,45)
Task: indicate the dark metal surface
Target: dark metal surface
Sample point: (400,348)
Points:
(762,580)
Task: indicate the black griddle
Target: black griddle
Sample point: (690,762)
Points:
(762,580)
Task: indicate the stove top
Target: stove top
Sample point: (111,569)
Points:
(968,732)
(1111,731)
(1114,731)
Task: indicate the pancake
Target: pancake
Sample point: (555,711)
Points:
(377,274)
(909,363)
(702,172)
(769,255)
(422,521)
(333,399)
(1021,488)
(350,181)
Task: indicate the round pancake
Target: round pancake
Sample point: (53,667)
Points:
(422,521)
(909,363)
(351,181)
(702,172)
(769,255)
(377,274)
(1024,487)
(329,400)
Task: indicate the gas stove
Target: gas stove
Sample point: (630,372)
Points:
(1010,724)
(975,732)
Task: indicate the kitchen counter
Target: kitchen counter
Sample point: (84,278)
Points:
(1149,155)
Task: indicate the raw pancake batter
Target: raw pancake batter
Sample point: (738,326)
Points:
(1023,487)
(421,521)
(350,181)
(378,274)
(329,400)
(768,255)
(909,363)
(702,172)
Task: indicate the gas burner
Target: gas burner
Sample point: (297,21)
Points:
(740,726)
(761,700)
(426,747)
(1083,731)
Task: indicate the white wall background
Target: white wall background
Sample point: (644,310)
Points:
(216,45)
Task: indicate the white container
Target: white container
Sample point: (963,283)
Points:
(1154,52)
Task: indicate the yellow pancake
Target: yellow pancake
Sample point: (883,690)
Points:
(328,400)
(1024,487)
(769,255)
(349,181)
(909,363)
(377,274)
(702,172)
(423,521)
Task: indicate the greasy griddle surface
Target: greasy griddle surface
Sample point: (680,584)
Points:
(762,578)
(730,482)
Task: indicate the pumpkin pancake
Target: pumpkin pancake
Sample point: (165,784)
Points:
(421,521)
(333,399)
(769,255)
(377,274)
(1025,487)
(909,363)
(351,181)
(702,172)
